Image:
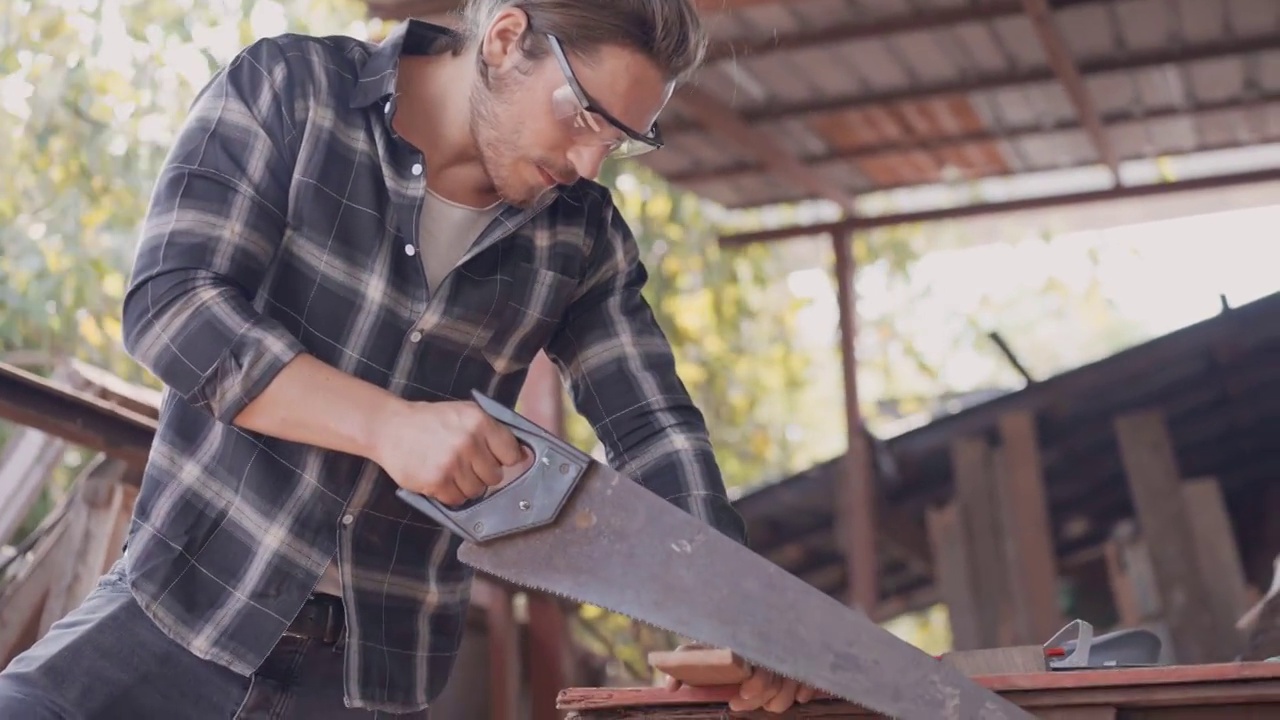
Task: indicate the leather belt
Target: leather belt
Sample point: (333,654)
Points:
(321,618)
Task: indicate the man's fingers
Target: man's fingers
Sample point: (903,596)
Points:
(755,691)
(468,483)
(755,685)
(486,467)
(450,495)
(804,694)
(502,443)
(785,697)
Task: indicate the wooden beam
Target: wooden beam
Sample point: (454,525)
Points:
(548,660)
(1127,192)
(1226,691)
(503,648)
(978,505)
(1068,73)
(856,28)
(892,149)
(1135,60)
(1032,557)
(1155,484)
(953,575)
(855,519)
(77,417)
(725,122)
(1219,557)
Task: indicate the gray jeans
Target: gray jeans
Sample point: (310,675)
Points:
(106,660)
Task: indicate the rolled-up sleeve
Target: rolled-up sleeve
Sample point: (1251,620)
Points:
(622,376)
(215,221)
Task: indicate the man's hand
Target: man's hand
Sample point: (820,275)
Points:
(451,451)
(762,690)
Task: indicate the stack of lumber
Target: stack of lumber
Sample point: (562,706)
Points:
(1225,691)
(52,569)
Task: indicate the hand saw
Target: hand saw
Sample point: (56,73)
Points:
(573,527)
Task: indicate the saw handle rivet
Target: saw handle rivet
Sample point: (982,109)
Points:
(478,527)
(564,468)
(524,505)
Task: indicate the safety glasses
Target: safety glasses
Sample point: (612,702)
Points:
(589,123)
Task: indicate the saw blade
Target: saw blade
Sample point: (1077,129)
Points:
(621,547)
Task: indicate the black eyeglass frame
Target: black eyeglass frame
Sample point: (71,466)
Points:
(653,139)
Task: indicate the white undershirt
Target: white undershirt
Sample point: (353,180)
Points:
(446,231)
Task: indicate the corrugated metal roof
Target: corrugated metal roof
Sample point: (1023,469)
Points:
(1217,382)
(885,94)
(977,97)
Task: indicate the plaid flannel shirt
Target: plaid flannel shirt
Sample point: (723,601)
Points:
(285,221)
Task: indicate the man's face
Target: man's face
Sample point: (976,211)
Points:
(522,122)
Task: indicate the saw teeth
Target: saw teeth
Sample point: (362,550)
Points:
(754,663)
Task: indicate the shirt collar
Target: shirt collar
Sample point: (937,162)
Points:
(377,79)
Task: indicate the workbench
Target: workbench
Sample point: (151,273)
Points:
(1229,691)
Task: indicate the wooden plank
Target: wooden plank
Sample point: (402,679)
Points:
(700,667)
(116,390)
(1172,686)
(548,656)
(504,649)
(709,667)
(952,575)
(1150,465)
(28,459)
(77,417)
(998,661)
(1032,560)
(23,597)
(96,506)
(1087,712)
(978,504)
(1216,549)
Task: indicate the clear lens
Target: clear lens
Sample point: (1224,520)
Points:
(587,128)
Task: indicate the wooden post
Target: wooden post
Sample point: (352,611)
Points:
(952,563)
(979,510)
(1151,467)
(1219,558)
(1032,561)
(856,496)
(548,659)
(503,648)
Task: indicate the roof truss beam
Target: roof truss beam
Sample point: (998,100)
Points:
(861,30)
(1133,61)
(1064,67)
(1123,192)
(719,118)
(956,142)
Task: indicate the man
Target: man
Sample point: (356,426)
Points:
(345,240)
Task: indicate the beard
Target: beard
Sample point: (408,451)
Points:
(499,139)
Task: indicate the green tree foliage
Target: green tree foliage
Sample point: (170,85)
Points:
(731,321)
(91,94)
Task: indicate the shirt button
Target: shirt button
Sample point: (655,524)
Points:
(410,250)
(416,169)
(416,336)
(387,108)
(348,519)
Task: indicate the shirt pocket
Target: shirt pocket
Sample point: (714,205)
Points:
(533,308)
